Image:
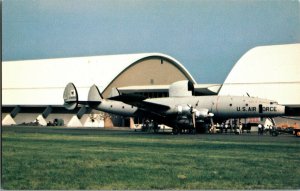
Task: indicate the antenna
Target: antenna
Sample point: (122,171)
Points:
(248,94)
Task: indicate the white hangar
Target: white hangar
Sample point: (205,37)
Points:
(33,89)
(271,72)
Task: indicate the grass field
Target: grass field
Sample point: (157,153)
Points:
(57,158)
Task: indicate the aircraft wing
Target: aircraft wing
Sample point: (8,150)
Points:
(128,98)
(139,101)
(200,89)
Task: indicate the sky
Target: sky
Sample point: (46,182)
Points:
(207,36)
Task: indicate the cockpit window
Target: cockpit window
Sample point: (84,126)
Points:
(273,102)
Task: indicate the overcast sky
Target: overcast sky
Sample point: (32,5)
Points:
(207,37)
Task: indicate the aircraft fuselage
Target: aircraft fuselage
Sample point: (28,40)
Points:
(220,106)
(227,106)
(180,108)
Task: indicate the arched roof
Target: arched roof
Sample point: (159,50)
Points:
(41,82)
(271,72)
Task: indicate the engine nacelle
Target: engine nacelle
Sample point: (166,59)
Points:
(189,111)
(181,89)
(203,113)
(183,110)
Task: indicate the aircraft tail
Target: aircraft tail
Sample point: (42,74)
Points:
(94,97)
(70,97)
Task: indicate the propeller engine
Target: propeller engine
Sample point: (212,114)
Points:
(194,113)
(199,114)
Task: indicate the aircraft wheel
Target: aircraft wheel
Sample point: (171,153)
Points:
(274,133)
(180,130)
(191,131)
(175,131)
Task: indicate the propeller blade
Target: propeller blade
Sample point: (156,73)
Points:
(212,125)
(212,121)
(194,120)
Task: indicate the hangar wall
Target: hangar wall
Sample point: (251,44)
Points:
(271,72)
(38,84)
(154,71)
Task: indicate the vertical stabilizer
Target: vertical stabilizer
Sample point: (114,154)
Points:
(94,97)
(70,97)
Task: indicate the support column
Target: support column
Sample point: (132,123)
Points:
(131,121)
(15,111)
(81,112)
(74,122)
(8,120)
(41,120)
(108,123)
(47,112)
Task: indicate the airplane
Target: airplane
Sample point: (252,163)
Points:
(181,110)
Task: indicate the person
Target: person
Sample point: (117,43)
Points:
(259,129)
(273,131)
(225,127)
(262,129)
(240,127)
(222,127)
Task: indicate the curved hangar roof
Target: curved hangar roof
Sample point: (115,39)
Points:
(41,82)
(271,72)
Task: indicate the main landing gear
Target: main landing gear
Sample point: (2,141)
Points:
(178,130)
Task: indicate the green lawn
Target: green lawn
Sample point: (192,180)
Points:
(57,158)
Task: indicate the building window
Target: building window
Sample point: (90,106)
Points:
(151,81)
